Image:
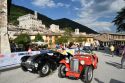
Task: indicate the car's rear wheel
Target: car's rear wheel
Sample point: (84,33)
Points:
(87,74)
(44,70)
(62,71)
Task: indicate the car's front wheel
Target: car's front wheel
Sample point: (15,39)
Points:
(62,71)
(23,68)
(44,70)
(87,74)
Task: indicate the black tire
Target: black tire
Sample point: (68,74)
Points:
(61,71)
(87,74)
(44,70)
(24,68)
(23,60)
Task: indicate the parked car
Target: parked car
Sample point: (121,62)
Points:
(79,66)
(42,63)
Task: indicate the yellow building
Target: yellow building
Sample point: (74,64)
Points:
(49,38)
(84,37)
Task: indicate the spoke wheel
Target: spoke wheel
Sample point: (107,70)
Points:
(62,71)
(44,70)
(87,74)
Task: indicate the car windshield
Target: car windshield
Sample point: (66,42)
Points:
(83,51)
(45,51)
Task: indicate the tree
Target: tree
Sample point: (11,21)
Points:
(61,40)
(38,37)
(68,32)
(119,20)
(67,35)
(79,39)
(23,39)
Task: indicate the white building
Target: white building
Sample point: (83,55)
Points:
(30,21)
(54,28)
(77,31)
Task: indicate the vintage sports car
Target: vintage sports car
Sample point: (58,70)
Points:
(79,66)
(42,63)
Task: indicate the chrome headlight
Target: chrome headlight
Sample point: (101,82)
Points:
(36,64)
(28,61)
(82,62)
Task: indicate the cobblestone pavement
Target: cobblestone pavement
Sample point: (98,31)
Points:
(108,71)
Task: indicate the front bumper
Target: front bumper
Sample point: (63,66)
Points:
(29,66)
(72,74)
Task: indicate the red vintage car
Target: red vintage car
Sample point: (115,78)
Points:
(79,66)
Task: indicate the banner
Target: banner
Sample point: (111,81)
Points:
(14,58)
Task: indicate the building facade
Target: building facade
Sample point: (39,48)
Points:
(54,28)
(30,21)
(78,36)
(48,38)
(107,39)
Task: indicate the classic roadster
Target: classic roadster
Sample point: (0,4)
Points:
(79,66)
(42,63)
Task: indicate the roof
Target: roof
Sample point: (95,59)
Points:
(33,34)
(81,35)
(101,38)
(16,29)
(114,33)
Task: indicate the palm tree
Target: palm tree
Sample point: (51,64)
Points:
(119,20)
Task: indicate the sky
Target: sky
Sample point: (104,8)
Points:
(95,14)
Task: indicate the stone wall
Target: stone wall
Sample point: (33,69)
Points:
(4,41)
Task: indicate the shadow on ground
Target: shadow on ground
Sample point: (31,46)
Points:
(104,51)
(107,53)
(8,69)
(98,81)
(114,64)
(115,81)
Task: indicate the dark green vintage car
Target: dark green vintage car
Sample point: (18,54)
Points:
(42,63)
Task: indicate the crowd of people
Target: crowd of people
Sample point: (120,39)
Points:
(118,50)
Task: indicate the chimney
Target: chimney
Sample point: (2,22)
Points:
(35,14)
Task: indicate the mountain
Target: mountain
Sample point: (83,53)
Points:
(16,11)
(64,22)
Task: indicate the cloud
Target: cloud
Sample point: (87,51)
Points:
(92,10)
(101,26)
(49,3)
(67,5)
(96,25)
(74,0)
(44,3)
(76,8)
(117,5)
(60,4)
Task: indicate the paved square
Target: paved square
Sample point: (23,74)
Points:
(108,71)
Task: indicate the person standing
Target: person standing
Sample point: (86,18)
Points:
(112,48)
(123,58)
(87,46)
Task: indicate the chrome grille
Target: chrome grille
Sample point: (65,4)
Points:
(74,65)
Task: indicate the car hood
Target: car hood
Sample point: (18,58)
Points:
(32,58)
(81,57)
